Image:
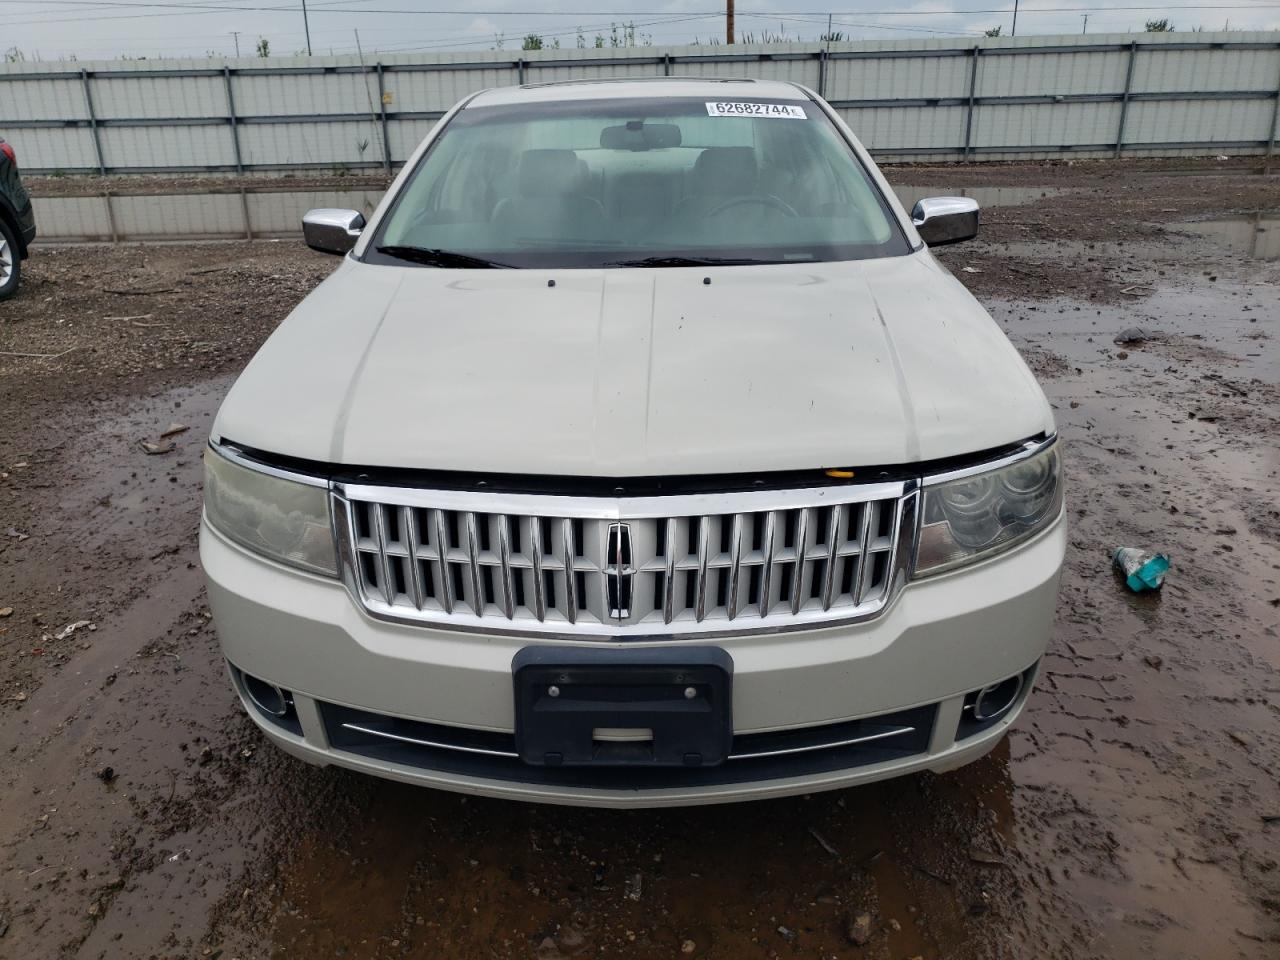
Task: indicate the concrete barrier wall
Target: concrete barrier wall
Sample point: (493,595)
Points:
(992,99)
(190,216)
(271,213)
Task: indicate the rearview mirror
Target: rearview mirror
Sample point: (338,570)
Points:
(943,220)
(332,231)
(638,135)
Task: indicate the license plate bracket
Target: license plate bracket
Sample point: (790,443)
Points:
(613,707)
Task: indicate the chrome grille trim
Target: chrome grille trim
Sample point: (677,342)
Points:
(746,755)
(735,566)
(696,566)
(797,572)
(434,744)
(442,561)
(810,747)
(473,556)
(535,543)
(669,570)
(766,571)
(570,574)
(417,580)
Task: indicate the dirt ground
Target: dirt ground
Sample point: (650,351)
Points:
(1135,810)
(128,185)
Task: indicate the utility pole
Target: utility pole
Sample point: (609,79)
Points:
(828,31)
(1014,31)
(236,34)
(728,21)
(306,26)
(1085,28)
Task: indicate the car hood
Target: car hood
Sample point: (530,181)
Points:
(636,372)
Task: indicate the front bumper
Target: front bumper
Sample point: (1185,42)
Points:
(940,640)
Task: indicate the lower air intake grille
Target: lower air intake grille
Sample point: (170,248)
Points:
(758,756)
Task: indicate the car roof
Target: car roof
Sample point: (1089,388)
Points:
(640,88)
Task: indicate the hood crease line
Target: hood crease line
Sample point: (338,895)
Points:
(648,372)
(900,378)
(348,394)
(594,438)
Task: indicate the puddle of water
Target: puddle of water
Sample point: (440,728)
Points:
(1262,171)
(1169,446)
(1255,235)
(1224,322)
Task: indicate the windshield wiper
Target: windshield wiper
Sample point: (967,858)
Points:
(687,262)
(434,257)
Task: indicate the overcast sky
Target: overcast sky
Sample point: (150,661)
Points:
(105,29)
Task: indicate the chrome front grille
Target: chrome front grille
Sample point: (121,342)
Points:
(625,568)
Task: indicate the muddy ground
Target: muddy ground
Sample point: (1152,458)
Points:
(1134,810)
(130,185)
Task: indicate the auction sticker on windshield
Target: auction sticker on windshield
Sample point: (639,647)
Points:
(782,111)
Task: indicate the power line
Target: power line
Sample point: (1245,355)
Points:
(584,30)
(436,42)
(344,7)
(191,10)
(180,10)
(851,23)
(334,7)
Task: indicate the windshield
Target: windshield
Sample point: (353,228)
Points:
(637,182)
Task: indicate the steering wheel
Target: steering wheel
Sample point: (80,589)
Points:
(757,199)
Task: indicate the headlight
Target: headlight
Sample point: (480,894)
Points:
(971,518)
(281,519)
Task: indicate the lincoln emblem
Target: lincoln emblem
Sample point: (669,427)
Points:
(618,570)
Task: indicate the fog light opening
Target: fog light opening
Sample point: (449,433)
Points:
(267,697)
(996,699)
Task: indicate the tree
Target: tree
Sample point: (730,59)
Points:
(531,42)
(1159,26)
(835,36)
(624,35)
(264,47)
(993,32)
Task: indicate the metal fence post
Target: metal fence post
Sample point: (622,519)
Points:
(969,110)
(382,108)
(666,64)
(93,122)
(231,118)
(1275,119)
(111,217)
(520,72)
(1124,99)
(244,211)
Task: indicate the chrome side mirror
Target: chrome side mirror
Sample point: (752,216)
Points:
(943,220)
(332,231)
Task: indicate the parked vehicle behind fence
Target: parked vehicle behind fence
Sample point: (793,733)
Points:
(17,222)
(639,452)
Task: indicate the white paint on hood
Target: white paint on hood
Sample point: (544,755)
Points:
(636,372)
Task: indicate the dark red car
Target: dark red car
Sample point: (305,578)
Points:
(17,222)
